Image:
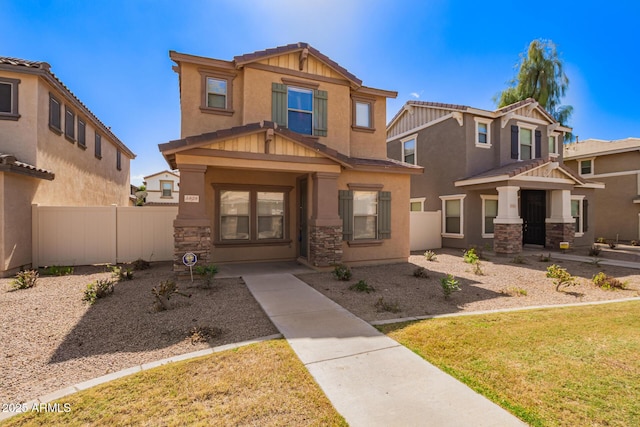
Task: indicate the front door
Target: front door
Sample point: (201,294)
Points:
(533,211)
(302,218)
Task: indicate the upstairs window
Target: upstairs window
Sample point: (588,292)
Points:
(69,124)
(523,144)
(9,99)
(586,167)
(54,114)
(526,144)
(167,188)
(119,160)
(483,133)
(409,150)
(362,114)
(216,93)
(300,110)
(553,144)
(98,146)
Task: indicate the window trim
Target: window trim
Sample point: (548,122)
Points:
(15,93)
(162,196)
(52,126)
(362,100)
(217,75)
(532,128)
(415,148)
(444,199)
(420,200)
(69,115)
(593,164)
(484,198)
(555,153)
(82,142)
(253,214)
(580,200)
(97,148)
(482,120)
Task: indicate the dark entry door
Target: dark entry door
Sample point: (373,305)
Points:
(303,234)
(533,211)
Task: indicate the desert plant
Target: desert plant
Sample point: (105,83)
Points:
(430,256)
(342,272)
(545,258)
(165,292)
(25,279)
(634,243)
(421,272)
(607,282)
(208,272)
(477,269)
(57,270)
(140,264)
(514,291)
(594,250)
(382,305)
(519,259)
(470,256)
(202,334)
(449,285)
(362,286)
(121,273)
(601,240)
(98,289)
(561,276)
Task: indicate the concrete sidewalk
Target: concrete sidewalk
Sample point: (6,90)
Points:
(369,378)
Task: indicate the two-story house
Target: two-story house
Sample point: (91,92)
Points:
(162,188)
(283,157)
(617,165)
(496,176)
(53,151)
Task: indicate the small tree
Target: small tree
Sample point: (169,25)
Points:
(561,276)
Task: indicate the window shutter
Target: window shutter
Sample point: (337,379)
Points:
(384,215)
(279,104)
(585,216)
(320,112)
(538,144)
(345,210)
(514,142)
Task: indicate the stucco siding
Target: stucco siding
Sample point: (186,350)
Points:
(18,137)
(15,221)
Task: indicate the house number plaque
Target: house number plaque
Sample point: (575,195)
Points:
(191,198)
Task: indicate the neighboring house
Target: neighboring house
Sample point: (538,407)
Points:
(617,165)
(53,151)
(497,176)
(283,157)
(163,188)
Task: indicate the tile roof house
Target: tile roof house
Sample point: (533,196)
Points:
(53,151)
(617,165)
(283,157)
(497,177)
(162,188)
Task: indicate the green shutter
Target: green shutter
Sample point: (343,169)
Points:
(384,215)
(320,112)
(279,104)
(345,210)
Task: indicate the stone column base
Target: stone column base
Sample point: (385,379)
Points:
(195,238)
(325,245)
(507,238)
(556,232)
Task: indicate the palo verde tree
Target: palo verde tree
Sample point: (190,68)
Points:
(541,77)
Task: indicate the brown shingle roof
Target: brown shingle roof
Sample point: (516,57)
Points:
(260,54)
(45,69)
(8,163)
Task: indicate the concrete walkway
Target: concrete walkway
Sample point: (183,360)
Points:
(369,378)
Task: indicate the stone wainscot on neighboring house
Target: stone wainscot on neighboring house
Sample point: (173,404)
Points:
(53,151)
(617,165)
(283,157)
(497,176)
(162,188)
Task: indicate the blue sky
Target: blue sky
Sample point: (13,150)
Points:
(114,54)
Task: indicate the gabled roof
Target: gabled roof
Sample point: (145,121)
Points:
(176,174)
(8,163)
(44,69)
(599,147)
(169,149)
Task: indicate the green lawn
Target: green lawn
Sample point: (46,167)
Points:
(555,367)
(263,384)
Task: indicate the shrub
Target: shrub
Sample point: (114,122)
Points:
(342,272)
(449,285)
(140,264)
(594,250)
(25,279)
(561,276)
(382,305)
(208,272)
(122,273)
(601,240)
(519,259)
(470,256)
(477,269)
(98,289)
(421,272)
(430,256)
(361,286)
(515,291)
(56,270)
(164,293)
(607,282)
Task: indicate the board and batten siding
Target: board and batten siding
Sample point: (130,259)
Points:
(419,117)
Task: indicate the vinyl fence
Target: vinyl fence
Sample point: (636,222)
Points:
(425,230)
(97,235)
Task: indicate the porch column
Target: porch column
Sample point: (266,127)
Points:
(507,231)
(325,227)
(560,226)
(192,227)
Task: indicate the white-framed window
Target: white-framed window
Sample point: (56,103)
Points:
(527,147)
(300,110)
(365,215)
(453,216)
(489,213)
(483,132)
(9,99)
(553,144)
(577,212)
(216,93)
(409,152)
(417,204)
(167,189)
(586,167)
(363,114)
